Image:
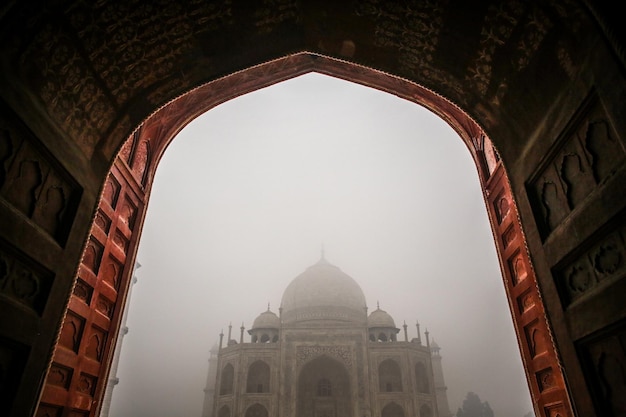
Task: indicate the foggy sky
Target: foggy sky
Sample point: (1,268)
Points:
(247,194)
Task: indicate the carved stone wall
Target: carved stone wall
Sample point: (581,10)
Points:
(543,80)
(79,370)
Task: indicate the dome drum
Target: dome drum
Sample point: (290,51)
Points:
(323,313)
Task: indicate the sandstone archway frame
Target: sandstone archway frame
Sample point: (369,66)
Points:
(544,81)
(125,195)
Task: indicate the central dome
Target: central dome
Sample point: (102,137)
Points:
(323,292)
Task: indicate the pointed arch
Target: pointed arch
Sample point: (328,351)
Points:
(426,411)
(324,389)
(227,379)
(224,411)
(256,410)
(258,380)
(389,376)
(92,122)
(392,410)
(421,378)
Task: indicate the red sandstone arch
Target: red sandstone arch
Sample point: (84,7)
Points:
(545,80)
(126,192)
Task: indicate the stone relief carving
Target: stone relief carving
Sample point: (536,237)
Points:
(111,273)
(120,240)
(518,268)
(605,152)
(102,221)
(105,306)
(49,209)
(92,256)
(502,207)
(342,353)
(125,47)
(603,261)
(32,181)
(95,345)
(60,376)
(411,29)
(140,160)
(87,384)
(127,214)
(536,339)
(545,379)
(588,154)
(273,13)
(111,191)
(127,148)
(508,236)
(71,331)
(606,358)
(24,284)
(526,301)
(83,291)
(24,186)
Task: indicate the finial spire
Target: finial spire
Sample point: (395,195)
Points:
(268,306)
(419,335)
(406,335)
(377,305)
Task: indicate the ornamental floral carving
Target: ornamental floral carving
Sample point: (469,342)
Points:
(341,353)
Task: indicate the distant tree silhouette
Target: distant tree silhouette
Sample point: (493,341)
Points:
(474,407)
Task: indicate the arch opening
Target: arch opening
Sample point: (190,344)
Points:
(324,389)
(258,377)
(384,336)
(392,410)
(463,125)
(389,376)
(227,380)
(421,378)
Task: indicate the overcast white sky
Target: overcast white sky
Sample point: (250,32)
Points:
(247,194)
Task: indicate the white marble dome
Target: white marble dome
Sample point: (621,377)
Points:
(266,320)
(380,319)
(323,292)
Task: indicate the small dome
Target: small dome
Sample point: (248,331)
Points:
(380,318)
(266,320)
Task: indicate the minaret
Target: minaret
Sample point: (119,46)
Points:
(419,336)
(440,385)
(113,379)
(209,390)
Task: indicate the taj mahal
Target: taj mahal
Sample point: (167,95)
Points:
(323,355)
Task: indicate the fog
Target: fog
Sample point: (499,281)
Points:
(246,196)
